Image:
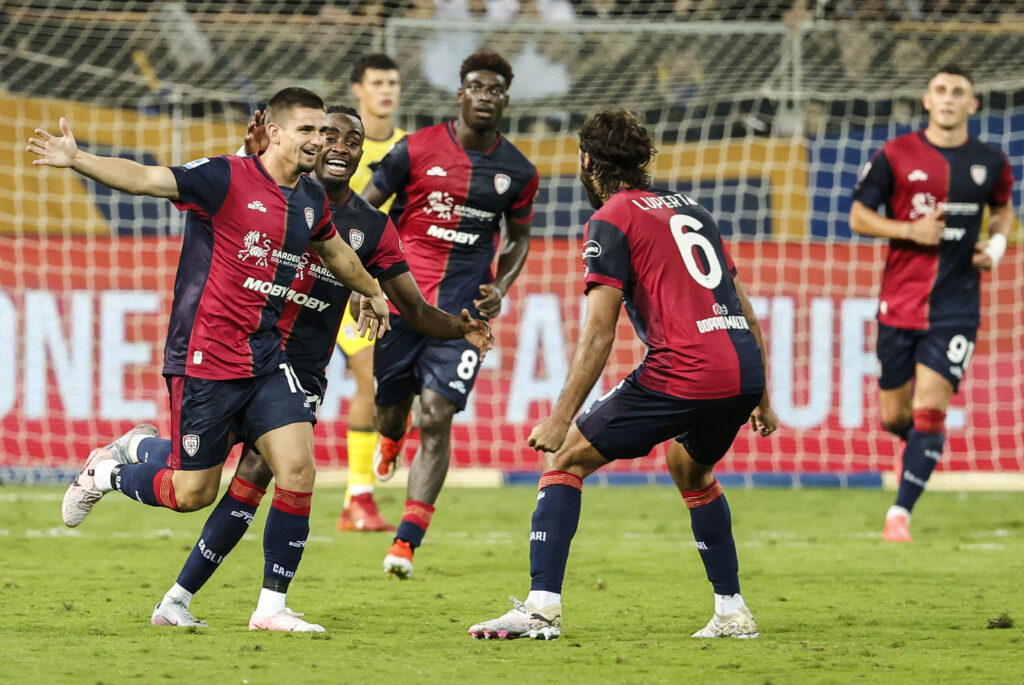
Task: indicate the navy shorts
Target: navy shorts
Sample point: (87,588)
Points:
(208,417)
(946,351)
(629,420)
(404,362)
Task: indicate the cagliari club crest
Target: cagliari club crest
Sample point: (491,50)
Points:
(501,183)
(978,173)
(355,238)
(309,217)
(191,444)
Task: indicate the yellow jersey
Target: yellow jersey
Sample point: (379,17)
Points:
(374,151)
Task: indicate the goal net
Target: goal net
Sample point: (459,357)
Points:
(764,112)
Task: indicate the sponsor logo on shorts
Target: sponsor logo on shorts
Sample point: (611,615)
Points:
(457,385)
(978,173)
(190,443)
(277,290)
(591,248)
(308,213)
(956,371)
(502,183)
(355,238)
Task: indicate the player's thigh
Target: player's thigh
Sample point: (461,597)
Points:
(894,405)
(196,489)
(932,390)
(712,425)
(202,420)
(360,365)
(395,358)
(279,421)
(688,475)
(288,450)
(896,349)
(577,456)
(947,352)
(252,468)
(436,411)
(450,368)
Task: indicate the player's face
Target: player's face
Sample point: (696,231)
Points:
(378,92)
(484,97)
(593,197)
(300,136)
(343,148)
(950,101)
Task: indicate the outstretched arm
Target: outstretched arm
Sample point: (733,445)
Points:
(429,320)
(510,263)
(592,350)
(346,267)
(763,419)
(120,174)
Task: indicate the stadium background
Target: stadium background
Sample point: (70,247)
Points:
(764,111)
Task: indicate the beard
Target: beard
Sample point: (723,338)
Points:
(306,167)
(593,197)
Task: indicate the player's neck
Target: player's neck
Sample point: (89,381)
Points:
(377,128)
(284,172)
(477,141)
(338,195)
(943,137)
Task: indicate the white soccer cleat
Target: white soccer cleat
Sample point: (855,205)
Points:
(119,448)
(82,494)
(523,620)
(284,620)
(173,612)
(739,624)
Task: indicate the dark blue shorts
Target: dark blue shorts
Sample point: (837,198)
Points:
(629,420)
(946,351)
(404,362)
(208,417)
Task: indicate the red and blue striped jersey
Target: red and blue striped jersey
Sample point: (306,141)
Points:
(664,252)
(244,238)
(926,286)
(448,207)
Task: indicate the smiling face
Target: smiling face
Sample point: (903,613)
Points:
(950,101)
(378,92)
(298,136)
(484,97)
(342,150)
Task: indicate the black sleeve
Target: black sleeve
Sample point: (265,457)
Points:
(391,174)
(203,184)
(876,183)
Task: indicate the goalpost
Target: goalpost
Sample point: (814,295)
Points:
(764,112)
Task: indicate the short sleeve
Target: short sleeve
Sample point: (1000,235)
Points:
(1001,191)
(202,184)
(521,208)
(388,260)
(876,183)
(606,253)
(391,173)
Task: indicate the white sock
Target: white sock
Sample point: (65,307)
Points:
(728,604)
(270,602)
(360,490)
(543,598)
(133,446)
(898,511)
(179,593)
(101,474)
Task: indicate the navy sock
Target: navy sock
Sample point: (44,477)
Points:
(415,521)
(154,450)
(284,537)
(150,483)
(554,524)
(712,530)
(225,526)
(920,457)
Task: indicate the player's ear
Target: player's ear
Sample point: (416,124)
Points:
(975,104)
(273,132)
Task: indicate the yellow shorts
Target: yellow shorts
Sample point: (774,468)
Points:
(348,338)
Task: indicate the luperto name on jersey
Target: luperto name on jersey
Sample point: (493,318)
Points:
(276,290)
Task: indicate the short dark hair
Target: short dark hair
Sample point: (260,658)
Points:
(955,70)
(489,61)
(375,60)
(289,98)
(345,109)
(620,148)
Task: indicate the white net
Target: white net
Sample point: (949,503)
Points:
(764,111)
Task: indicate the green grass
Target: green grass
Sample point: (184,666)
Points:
(834,603)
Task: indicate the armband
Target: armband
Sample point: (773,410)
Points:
(996,247)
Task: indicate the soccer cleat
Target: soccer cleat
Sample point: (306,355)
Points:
(173,612)
(285,620)
(362,514)
(398,561)
(897,529)
(82,494)
(119,448)
(522,620)
(386,457)
(739,624)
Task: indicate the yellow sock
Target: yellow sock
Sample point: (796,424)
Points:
(360,462)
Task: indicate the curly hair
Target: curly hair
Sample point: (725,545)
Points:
(345,109)
(490,61)
(620,148)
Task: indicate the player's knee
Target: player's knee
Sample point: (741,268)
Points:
(298,476)
(896,425)
(194,497)
(436,415)
(254,470)
(929,420)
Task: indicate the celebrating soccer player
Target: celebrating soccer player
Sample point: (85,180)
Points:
(454,182)
(249,222)
(702,379)
(935,184)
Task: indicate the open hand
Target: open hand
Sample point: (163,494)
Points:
(256,135)
(374,317)
(53,150)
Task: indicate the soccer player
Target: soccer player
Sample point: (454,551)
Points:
(249,222)
(376,85)
(453,183)
(934,184)
(309,336)
(702,379)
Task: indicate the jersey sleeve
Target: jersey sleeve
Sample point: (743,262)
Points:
(606,253)
(202,184)
(392,173)
(388,260)
(1001,191)
(729,263)
(324,229)
(521,208)
(876,183)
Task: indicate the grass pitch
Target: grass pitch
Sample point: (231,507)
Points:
(834,603)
